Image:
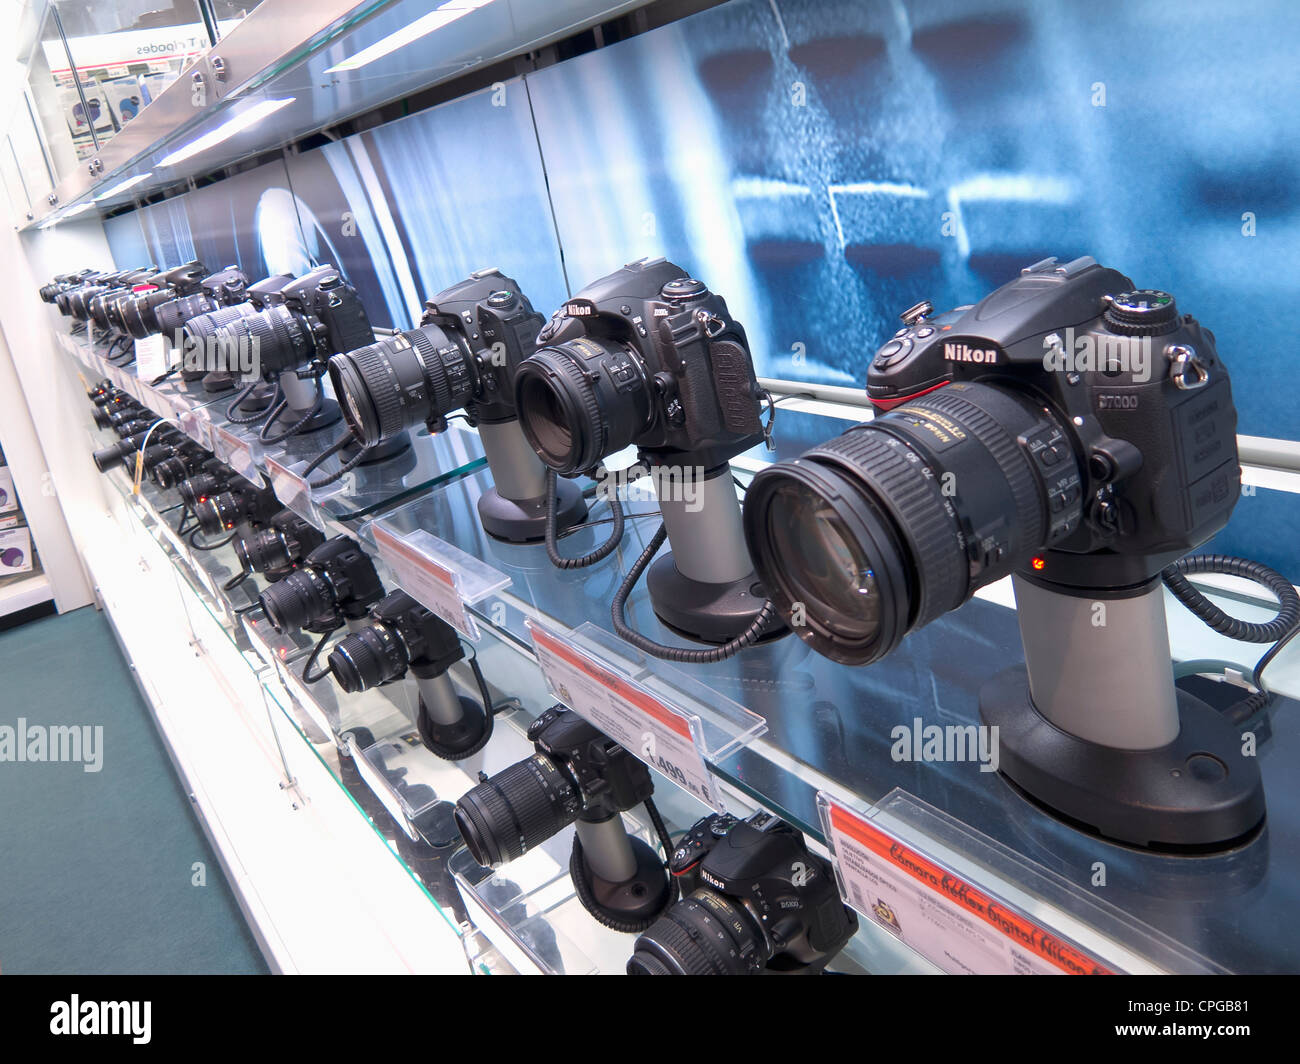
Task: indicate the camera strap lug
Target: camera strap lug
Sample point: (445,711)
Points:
(1186,369)
(712,325)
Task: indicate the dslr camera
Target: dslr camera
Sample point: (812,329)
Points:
(578,774)
(645,356)
(404,636)
(335,583)
(464,354)
(754,899)
(139,312)
(1079,434)
(241,503)
(275,550)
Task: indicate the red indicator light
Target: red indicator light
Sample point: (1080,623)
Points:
(1039,563)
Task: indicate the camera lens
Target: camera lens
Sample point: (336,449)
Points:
(170,472)
(898,521)
(368,657)
(103,418)
(114,454)
(265,341)
(174,313)
(705,934)
(78,301)
(217,513)
(139,312)
(516,810)
(581,401)
(196,488)
(297,600)
(199,335)
(400,382)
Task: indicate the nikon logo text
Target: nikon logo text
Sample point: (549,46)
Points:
(103,1017)
(966,353)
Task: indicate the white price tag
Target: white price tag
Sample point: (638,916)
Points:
(426,580)
(236,453)
(292,490)
(949,921)
(152,357)
(658,734)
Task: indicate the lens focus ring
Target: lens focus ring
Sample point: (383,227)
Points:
(924,517)
(516,810)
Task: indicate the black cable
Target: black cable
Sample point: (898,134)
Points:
(665,840)
(209,546)
(158,380)
(481,682)
(1288,614)
(345,468)
(605,521)
(601,552)
(1279,631)
(684,655)
(236,580)
(256,416)
(320,645)
(186,514)
(284,403)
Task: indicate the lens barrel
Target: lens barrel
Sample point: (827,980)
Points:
(516,810)
(172,315)
(270,340)
(264,551)
(706,933)
(580,401)
(402,381)
(372,656)
(297,600)
(898,521)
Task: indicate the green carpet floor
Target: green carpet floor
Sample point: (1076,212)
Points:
(96,868)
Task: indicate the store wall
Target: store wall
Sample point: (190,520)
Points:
(825,164)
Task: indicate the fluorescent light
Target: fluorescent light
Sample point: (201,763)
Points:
(62,216)
(226,130)
(421,27)
(122,186)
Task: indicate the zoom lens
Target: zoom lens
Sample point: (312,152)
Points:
(172,315)
(264,552)
(139,312)
(516,810)
(115,454)
(170,472)
(199,487)
(79,301)
(297,600)
(200,344)
(217,513)
(581,401)
(266,341)
(367,658)
(102,417)
(892,524)
(704,934)
(400,382)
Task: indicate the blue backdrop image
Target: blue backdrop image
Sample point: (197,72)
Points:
(824,164)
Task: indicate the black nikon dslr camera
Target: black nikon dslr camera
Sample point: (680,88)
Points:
(645,356)
(311,318)
(404,637)
(335,583)
(753,899)
(139,311)
(1086,437)
(1076,433)
(274,551)
(578,774)
(464,354)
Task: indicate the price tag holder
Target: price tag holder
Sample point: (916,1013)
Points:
(293,490)
(426,579)
(152,357)
(661,735)
(956,925)
(235,452)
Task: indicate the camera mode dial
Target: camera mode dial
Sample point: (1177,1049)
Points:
(1142,312)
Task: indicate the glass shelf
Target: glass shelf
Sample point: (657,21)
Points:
(828,726)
